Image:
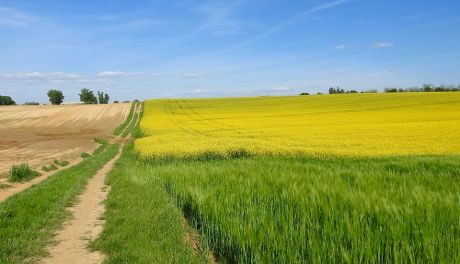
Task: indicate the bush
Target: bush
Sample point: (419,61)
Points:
(22,172)
(31,103)
(62,163)
(84,155)
(49,168)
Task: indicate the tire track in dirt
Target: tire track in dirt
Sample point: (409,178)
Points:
(86,224)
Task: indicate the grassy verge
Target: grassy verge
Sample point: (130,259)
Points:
(120,129)
(313,210)
(134,125)
(143,225)
(29,219)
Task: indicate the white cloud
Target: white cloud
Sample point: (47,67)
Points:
(118,74)
(382,45)
(340,46)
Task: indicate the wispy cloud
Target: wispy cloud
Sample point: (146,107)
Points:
(340,46)
(53,77)
(141,23)
(281,88)
(382,45)
(40,76)
(190,75)
(14,18)
(304,15)
(292,21)
(118,74)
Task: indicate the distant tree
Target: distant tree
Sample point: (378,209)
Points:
(31,103)
(391,90)
(6,100)
(427,88)
(87,96)
(116,102)
(304,94)
(332,90)
(56,97)
(102,97)
(353,91)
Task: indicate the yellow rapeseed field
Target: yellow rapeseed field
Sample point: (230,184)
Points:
(342,125)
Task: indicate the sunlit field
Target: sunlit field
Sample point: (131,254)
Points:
(359,178)
(341,125)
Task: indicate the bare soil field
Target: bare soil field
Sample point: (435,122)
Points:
(39,134)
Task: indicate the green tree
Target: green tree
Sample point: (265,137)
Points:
(103,97)
(6,100)
(56,97)
(87,96)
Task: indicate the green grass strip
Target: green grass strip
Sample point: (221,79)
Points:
(120,129)
(142,224)
(133,125)
(29,219)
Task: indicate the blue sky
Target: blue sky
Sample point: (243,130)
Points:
(153,49)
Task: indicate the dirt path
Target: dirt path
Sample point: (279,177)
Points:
(86,224)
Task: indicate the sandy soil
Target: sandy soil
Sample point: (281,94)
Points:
(39,134)
(86,224)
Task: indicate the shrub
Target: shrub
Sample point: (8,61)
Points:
(84,155)
(49,168)
(22,172)
(62,163)
(31,103)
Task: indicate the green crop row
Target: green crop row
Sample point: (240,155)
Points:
(313,210)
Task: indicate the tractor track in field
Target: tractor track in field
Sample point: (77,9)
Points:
(86,223)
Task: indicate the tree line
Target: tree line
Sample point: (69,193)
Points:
(425,88)
(56,97)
